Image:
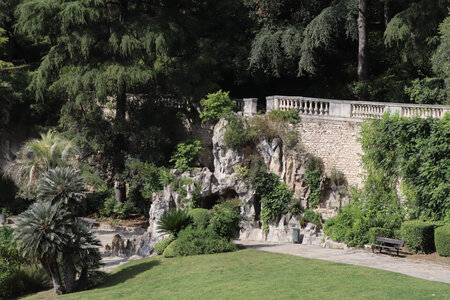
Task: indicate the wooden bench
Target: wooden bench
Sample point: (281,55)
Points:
(389,244)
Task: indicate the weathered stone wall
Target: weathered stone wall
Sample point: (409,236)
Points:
(335,142)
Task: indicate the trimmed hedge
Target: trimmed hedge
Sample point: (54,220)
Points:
(169,251)
(161,246)
(442,240)
(194,241)
(376,232)
(418,236)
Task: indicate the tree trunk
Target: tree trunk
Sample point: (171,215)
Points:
(70,273)
(83,280)
(387,12)
(119,142)
(362,38)
(51,268)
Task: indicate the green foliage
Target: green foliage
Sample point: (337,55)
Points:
(442,240)
(311,217)
(418,236)
(10,261)
(38,156)
(237,133)
(415,150)
(338,182)
(173,221)
(195,241)
(63,187)
(413,30)
(144,179)
(290,116)
(170,249)
(161,246)
(295,206)
(313,176)
(42,230)
(291,139)
(354,221)
(387,87)
(441,57)
(186,155)
(429,90)
(376,232)
(200,217)
(31,278)
(225,220)
(275,194)
(216,105)
(121,209)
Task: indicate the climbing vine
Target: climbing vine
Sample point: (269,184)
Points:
(416,152)
(275,194)
(312,178)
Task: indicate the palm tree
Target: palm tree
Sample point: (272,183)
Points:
(173,221)
(80,256)
(62,186)
(42,232)
(40,155)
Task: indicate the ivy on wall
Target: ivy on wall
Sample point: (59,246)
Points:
(415,152)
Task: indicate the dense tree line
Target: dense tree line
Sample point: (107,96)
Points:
(71,64)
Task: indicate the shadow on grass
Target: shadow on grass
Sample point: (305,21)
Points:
(127,273)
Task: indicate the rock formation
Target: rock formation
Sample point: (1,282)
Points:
(222,183)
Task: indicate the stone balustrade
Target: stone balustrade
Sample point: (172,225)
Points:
(355,110)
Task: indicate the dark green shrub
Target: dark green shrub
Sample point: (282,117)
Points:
(95,201)
(418,236)
(350,226)
(275,194)
(226,219)
(30,279)
(291,116)
(314,167)
(200,217)
(161,246)
(237,133)
(194,241)
(295,207)
(172,222)
(10,262)
(291,139)
(170,249)
(376,232)
(186,155)
(312,217)
(108,205)
(442,240)
(216,105)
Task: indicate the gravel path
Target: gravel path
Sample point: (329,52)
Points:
(411,267)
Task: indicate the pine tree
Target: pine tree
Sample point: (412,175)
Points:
(103,50)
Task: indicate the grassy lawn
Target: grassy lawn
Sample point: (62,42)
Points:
(253,274)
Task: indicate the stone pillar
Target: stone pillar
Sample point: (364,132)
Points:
(271,103)
(340,109)
(250,106)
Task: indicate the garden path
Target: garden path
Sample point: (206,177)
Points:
(407,266)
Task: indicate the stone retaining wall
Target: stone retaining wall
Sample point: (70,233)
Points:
(335,142)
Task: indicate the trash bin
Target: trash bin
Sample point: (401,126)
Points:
(295,235)
(2,219)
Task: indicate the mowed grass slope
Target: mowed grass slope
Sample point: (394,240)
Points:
(253,274)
